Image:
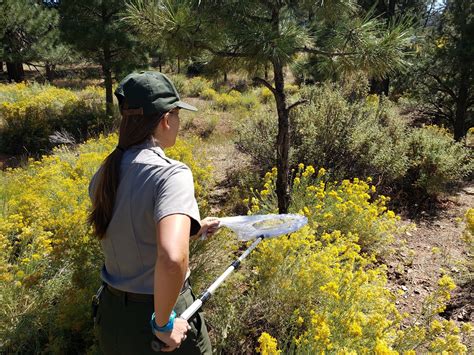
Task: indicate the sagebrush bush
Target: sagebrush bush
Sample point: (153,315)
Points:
(196,86)
(193,87)
(358,138)
(256,136)
(49,258)
(180,83)
(379,141)
(437,160)
(31,113)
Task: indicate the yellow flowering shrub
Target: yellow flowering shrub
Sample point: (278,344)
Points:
(372,100)
(470,221)
(228,101)
(291,89)
(348,206)
(429,331)
(30,113)
(49,258)
(268,345)
(209,94)
(322,294)
(265,95)
(316,292)
(232,100)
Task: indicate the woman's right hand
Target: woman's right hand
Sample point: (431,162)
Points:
(173,339)
(209,226)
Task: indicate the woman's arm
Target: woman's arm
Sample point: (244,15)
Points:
(172,236)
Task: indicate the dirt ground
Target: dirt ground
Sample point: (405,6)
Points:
(435,246)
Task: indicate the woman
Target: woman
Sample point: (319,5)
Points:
(144,211)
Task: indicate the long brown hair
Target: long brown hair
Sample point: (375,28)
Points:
(134,129)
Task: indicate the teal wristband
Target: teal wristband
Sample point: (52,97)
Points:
(167,328)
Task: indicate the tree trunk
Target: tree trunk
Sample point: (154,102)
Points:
(266,71)
(179,66)
(283,140)
(461,105)
(379,87)
(1,67)
(160,63)
(49,72)
(15,72)
(225,77)
(106,69)
(107,65)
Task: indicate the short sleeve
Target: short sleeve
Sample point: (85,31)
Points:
(174,194)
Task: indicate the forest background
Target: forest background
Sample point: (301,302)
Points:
(357,114)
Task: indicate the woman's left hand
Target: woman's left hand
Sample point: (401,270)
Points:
(209,226)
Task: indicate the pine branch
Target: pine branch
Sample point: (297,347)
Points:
(265,83)
(221,53)
(299,102)
(446,88)
(36,68)
(329,54)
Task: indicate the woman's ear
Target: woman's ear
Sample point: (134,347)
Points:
(165,121)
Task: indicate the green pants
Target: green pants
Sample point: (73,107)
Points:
(123,327)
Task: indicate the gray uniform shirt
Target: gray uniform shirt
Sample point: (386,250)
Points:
(152,186)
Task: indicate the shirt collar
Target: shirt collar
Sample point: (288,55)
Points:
(149,144)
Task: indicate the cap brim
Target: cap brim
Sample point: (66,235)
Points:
(186,106)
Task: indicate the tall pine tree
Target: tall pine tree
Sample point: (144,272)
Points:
(273,33)
(28,32)
(94,28)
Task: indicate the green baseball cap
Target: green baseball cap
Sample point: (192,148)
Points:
(150,92)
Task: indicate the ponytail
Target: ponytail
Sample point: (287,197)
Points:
(134,129)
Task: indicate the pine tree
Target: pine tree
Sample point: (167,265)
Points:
(27,33)
(93,27)
(256,34)
(443,76)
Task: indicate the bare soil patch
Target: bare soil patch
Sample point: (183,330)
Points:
(432,249)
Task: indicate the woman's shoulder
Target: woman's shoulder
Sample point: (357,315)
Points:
(161,166)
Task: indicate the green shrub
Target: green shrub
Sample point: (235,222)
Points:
(437,160)
(195,86)
(366,138)
(257,138)
(249,101)
(179,81)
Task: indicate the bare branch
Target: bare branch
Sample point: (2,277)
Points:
(446,88)
(299,102)
(265,83)
(36,68)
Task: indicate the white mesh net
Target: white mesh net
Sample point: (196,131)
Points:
(268,225)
